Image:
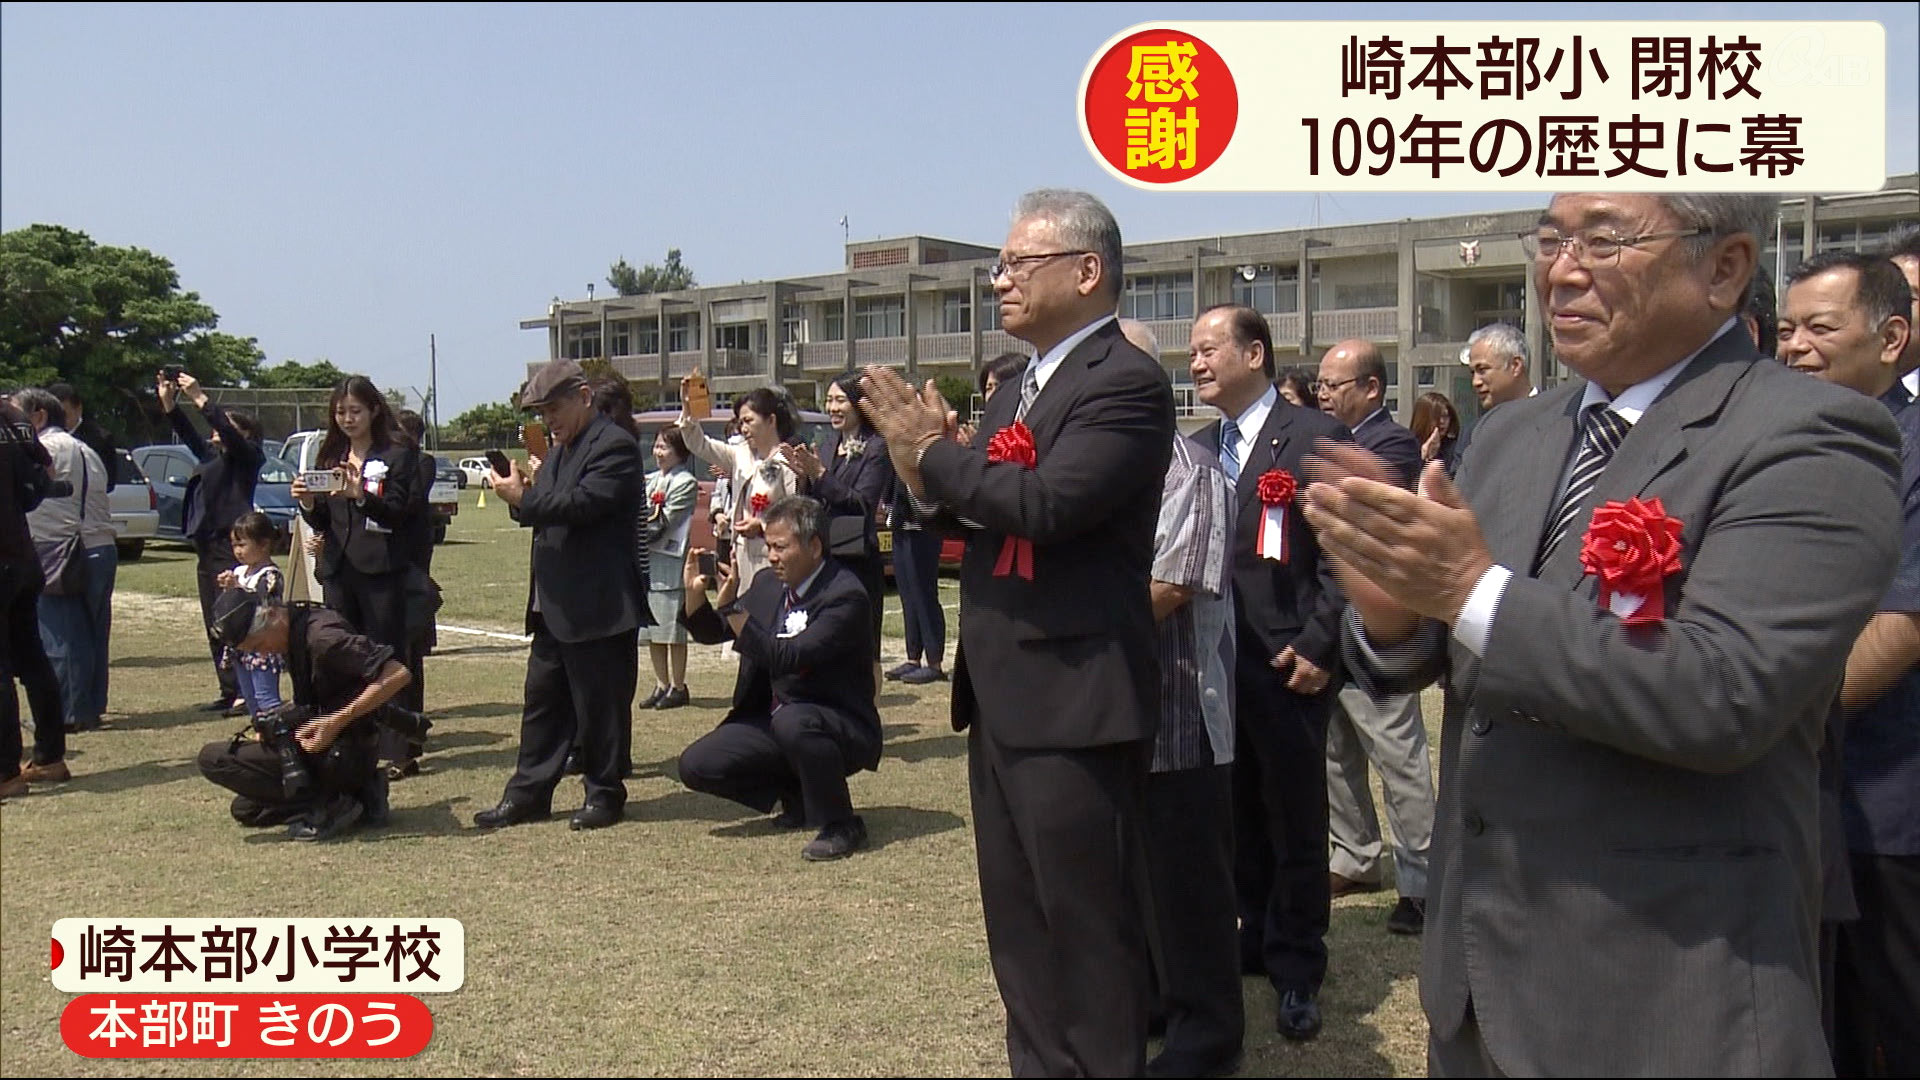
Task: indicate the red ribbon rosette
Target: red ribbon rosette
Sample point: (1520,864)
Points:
(1014,444)
(1276,488)
(759,503)
(1633,547)
(658,498)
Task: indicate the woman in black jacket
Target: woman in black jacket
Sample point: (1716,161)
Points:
(853,475)
(368,522)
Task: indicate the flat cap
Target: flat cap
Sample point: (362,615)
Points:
(237,613)
(553,379)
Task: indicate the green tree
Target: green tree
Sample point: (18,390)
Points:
(294,375)
(494,424)
(958,392)
(105,319)
(671,276)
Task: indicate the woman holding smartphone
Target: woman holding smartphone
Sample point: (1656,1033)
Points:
(367,519)
(756,477)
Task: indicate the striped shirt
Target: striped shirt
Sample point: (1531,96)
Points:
(1191,548)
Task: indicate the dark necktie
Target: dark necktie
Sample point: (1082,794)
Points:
(1601,432)
(1029,389)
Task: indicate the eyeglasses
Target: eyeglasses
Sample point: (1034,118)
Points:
(1013,266)
(1321,386)
(1593,249)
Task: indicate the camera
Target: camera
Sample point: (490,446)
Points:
(172,373)
(276,728)
(59,489)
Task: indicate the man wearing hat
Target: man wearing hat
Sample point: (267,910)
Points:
(341,680)
(584,606)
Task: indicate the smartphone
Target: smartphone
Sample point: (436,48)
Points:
(533,435)
(710,569)
(172,373)
(321,480)
(699,403)
(502,466)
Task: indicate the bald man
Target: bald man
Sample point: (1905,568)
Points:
(1387,731)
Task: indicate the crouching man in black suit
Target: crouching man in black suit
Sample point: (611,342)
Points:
(803,718)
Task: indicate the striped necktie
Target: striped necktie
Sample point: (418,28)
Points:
(1601,432)
(1029,389)
(1230,450)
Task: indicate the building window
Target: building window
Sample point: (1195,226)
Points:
(835,321)
(734,336)
(1369,294)
(680,330)
(879,317)
(622,339)
(989,310)
(1270,292)
(649,343)
(793,324)
(955,316)
(1158,296)
(585,345)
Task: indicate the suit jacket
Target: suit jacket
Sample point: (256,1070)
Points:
(828,664)
(1393,444)
(666,543)
(221,487)
(584,511)
(1296,603)
(420,528)
(856,486)
(1626,860)
(1067,660)
(374,536)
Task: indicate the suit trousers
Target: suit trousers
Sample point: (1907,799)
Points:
(1877,1007)
(24,657)
(1190,862)
(252,772)
(1059,835)
(376,606)
(215,556)
(916,575)
(1280,825)
(585,686)
(1393,737)
(801,755)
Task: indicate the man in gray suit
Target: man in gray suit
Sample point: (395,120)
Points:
(1626,864)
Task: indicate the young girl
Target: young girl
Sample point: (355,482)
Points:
(257,673)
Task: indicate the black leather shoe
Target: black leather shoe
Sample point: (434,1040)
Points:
(1299,1018)
(673,699)
(652,699)
(836,841)
(573,766)
(596,815)
(793,813)
(336,817)
(1175,1063)
(509,813)
(1409,916)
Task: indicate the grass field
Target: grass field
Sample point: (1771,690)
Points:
(690,940)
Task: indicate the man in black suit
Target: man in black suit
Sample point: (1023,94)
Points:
(1287,610)
(583,604)
(220,490)
(803,718)
(1056,619)
(1388,730)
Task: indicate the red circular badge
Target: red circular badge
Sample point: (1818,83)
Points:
(1161,106)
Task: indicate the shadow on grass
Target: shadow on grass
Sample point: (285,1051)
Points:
(438,739)
(469,647)
(158,661)
(950,745)
(472,709)
(124,778)
(885,824)
(685,805)
(191,714)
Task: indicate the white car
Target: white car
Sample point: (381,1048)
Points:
(135,509)
(477,471)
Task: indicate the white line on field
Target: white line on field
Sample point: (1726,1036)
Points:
(521,638)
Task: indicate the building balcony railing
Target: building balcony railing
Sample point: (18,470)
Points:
(887,350)
(946,348)
(822,355)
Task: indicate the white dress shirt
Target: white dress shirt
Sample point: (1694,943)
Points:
(1045,366)
(1250,423)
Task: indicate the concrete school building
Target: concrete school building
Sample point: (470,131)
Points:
(1415,287)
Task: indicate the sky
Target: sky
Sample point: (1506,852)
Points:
(342,181)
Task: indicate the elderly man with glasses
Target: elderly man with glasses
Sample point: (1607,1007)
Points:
(1640,599)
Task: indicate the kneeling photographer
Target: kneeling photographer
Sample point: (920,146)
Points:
(313,763)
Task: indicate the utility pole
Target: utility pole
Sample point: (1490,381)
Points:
(433,388)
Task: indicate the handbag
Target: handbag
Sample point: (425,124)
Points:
(63,563)
(847,537)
